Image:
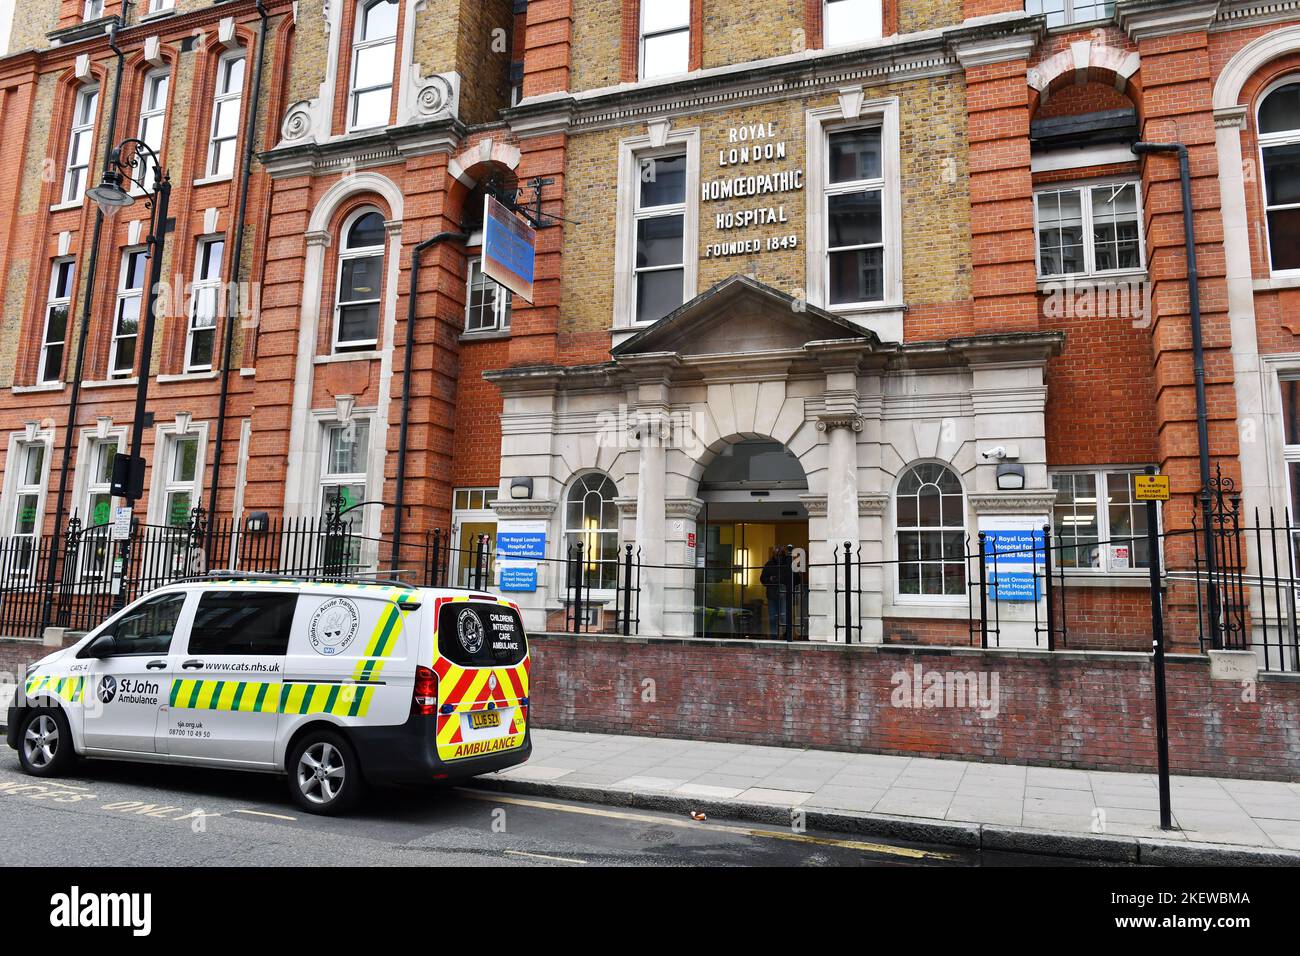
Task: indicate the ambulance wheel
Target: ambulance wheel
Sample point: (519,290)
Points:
(324,773)
(45,742)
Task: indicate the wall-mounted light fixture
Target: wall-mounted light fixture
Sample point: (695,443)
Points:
(1011,476)
(257,521)
(521,489)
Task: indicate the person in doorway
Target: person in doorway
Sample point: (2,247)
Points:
(776,579)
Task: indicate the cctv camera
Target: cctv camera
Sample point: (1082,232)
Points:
(999,452)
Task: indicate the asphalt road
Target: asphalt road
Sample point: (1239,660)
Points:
(140,815)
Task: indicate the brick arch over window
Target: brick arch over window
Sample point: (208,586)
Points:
(1085,61)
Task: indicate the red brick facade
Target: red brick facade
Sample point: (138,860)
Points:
(1120,393)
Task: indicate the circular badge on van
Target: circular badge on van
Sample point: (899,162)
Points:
(334,626)
(470,630)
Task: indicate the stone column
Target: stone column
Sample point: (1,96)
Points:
(653,433)
(841,509)
(681,516)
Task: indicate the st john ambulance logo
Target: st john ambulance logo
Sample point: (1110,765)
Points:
(107,689)
(333,627)
(470,629)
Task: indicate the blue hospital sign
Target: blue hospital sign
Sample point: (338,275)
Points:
(509,249)
(1014,562)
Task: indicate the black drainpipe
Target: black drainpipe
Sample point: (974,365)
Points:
(399,499)
(92,267)
(1198,373)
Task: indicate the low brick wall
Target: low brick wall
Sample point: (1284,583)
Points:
(1093,710)
(15,655)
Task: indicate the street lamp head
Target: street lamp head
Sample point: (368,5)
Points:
(109,194)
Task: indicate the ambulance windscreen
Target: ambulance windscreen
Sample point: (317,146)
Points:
(481,635)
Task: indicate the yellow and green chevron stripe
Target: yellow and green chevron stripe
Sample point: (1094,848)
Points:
(71,689)
(383,639)
(341,700)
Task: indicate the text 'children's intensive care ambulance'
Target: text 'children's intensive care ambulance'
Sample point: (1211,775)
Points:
(333,684)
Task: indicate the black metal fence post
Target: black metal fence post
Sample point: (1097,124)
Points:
(627,590)
(1047,587)
(984,592)
(848,592)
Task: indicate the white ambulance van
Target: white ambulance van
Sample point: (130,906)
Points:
(335,685)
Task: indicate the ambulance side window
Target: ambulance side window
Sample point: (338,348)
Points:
(149,628)
(245,623)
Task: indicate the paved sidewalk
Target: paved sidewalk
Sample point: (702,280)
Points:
(1084,803)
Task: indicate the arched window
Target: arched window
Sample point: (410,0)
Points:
(360,282)
(931,527)
(373,52)
(591,518)
(1279,146)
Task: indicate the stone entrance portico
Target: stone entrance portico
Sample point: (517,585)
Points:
(853,410)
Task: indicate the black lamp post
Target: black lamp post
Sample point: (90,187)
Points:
(124,166)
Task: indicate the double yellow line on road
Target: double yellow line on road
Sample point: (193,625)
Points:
(882,848)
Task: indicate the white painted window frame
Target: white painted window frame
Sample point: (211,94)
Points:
(123,294)
(16,489)
(502,300)
(75,171)
(362,252)
(1264,140)
(632,152)
(1099,475)
(161,483)
(358,46)
(54,301)
(203,284)
(643,36)
(875,7)
(154,98)
(820,123)
(221,97)
(1090,270)
(927,600)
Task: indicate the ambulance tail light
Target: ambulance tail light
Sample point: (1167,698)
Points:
(424,699)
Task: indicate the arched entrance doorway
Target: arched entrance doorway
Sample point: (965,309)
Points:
(751,521)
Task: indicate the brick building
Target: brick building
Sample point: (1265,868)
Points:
(817,271)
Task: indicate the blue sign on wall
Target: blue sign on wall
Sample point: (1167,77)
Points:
(521,544)
(518,579)
(509,249)
(1020,556)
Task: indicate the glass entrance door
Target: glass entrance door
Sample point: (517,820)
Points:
(745,584)
(472,518)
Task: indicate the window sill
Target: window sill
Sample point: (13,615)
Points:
(368,355)
(205,376)
(213,180)
(158,15)
(940,608)
(44,387)
(1054,283)
(865,308)
(247,372)
(495,335)
(112,382)
(1285,281)
(65,206)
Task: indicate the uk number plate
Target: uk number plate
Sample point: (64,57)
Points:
(486,718)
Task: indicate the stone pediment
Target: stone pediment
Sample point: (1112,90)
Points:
(741,315)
